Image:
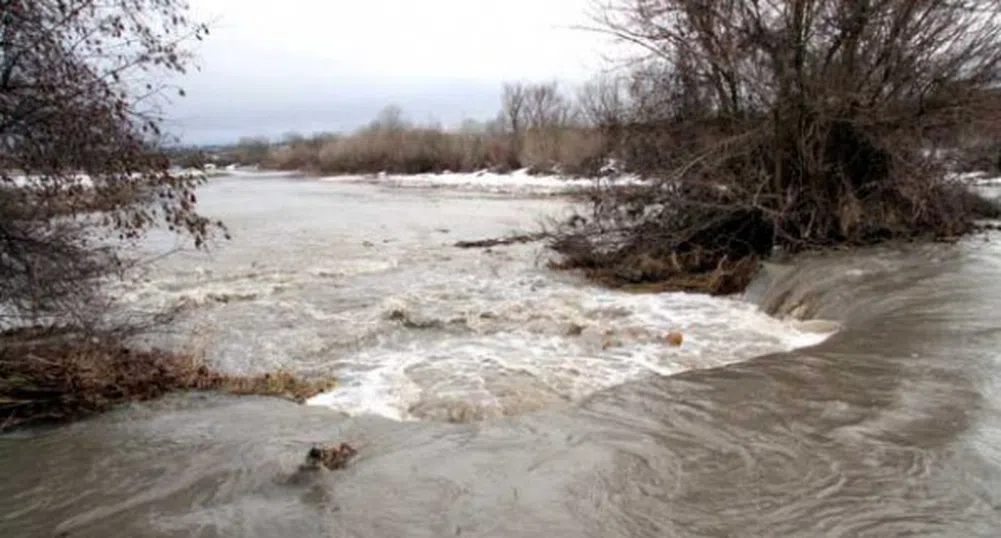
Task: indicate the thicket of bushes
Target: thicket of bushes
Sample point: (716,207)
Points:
(539,127)
(801,125)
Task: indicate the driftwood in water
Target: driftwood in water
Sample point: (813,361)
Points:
(502,241)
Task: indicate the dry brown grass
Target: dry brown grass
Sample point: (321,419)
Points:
(431,149)
(539,126)
(45,382)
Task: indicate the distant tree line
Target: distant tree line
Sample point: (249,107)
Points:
(540,126)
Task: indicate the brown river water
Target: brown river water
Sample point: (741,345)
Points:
(889,427)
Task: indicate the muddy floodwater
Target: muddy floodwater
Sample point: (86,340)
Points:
(489,396)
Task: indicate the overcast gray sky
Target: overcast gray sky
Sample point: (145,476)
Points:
(273,66)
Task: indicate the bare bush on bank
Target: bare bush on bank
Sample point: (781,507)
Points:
(796,124)
(80,130)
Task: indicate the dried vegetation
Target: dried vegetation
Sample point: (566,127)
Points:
(55,376)
(793,125)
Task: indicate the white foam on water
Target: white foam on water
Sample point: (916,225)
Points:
(386,391)
(199,288)
(552,342)
(357,283)
(347,268)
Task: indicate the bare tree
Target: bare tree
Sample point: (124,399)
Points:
(390,119)
(81,86)
(252,150)
(548,116)
(513,109)
(603,105)
(546,108)
(797,123)
(602,102)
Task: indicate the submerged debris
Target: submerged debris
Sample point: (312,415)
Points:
(674,338)
(413,320)
(575,329)
(331,457)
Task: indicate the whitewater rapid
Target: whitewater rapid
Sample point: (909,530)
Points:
(358,278)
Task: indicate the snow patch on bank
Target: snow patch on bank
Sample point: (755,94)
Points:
(526,182)
(976,179)
(517,182)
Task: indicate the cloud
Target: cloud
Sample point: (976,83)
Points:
(270,67)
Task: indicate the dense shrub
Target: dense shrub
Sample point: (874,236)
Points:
(805,124)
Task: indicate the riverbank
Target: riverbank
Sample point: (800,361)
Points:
(710,236)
